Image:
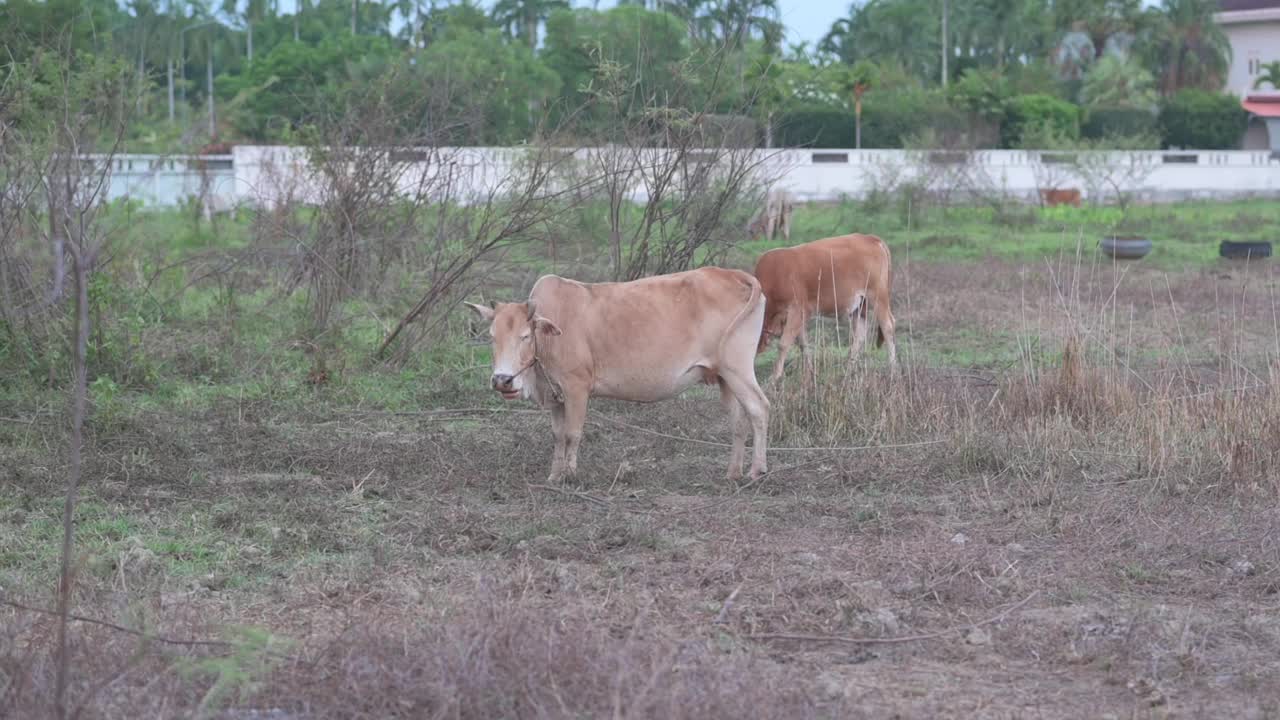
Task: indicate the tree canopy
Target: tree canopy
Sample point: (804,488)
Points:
(493,72)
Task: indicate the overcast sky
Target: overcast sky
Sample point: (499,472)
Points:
(806,20)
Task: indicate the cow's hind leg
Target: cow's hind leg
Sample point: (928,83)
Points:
(792,329)
(742,383)
(885,326)
(806,354)
(738,425)
(857,326)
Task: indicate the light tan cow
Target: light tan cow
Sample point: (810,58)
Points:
(834,276)
(775,216)
(645,340)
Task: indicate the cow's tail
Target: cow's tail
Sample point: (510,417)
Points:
(752,301)
(884,283)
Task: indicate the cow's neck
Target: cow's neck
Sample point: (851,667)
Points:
(545,389)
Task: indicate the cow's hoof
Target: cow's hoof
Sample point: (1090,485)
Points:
(758,472)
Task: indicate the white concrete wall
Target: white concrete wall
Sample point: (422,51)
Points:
(256,176)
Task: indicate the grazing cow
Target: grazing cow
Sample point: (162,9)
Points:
(834,276)
(1055,197)
(775,216)
(643,341)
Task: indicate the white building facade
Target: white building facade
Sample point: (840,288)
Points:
(1253,27)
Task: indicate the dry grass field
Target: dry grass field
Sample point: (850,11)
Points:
(1065,506)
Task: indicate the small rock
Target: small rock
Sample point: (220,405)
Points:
(977,636)
(807,558)
(1018,548)
(1148,691)
(887,620)
(1243,568)
(214,581)
(832,686)
(137,558)
(959,539)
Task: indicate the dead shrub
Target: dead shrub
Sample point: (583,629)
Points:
(497,659)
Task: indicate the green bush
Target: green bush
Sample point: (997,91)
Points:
(1201,120)
(888,117)
(817,128)
(1107,122)
(1038,111)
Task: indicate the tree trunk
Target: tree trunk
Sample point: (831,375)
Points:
(946,6)
(79,389)
(417,23)
(355,6)
(857,122)
(142,74)
(57,241)
(768,131)
(170,74)
(249,40)
(208,68)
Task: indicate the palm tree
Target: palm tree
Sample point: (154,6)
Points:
(1187,46)
(691,12)
(737,20)
(857,80)
(521,18)
(889,32)
(254,11)
(1269,73)
(1115,82)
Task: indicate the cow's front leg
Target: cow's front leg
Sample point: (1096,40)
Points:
(561,444)
(575,417)
(806,354)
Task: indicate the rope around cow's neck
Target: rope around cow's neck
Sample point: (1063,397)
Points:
(540,372)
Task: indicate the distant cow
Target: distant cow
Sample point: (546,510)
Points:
(645,340)
(1053,198)
(836,276)
(774,216)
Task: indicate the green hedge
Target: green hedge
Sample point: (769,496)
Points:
(816,128)
(888,119)
(1123,122)
(1037,111)
(1200,120)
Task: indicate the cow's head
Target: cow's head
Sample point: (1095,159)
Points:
(515,329)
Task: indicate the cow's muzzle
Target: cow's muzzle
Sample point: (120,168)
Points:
(505,385)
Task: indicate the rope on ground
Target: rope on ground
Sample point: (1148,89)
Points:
(891,640)
(713,443)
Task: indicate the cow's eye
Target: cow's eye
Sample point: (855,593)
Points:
(526,336)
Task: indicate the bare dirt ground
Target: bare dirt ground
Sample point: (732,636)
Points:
(420,569)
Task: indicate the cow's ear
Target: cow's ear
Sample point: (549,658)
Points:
(545,325)
(484,312)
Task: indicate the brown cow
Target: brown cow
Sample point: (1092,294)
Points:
(645,340)
(775,216)
(834,276)
(1055,197)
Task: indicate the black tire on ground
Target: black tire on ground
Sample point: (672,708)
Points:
(1125,248)
(1246,250)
